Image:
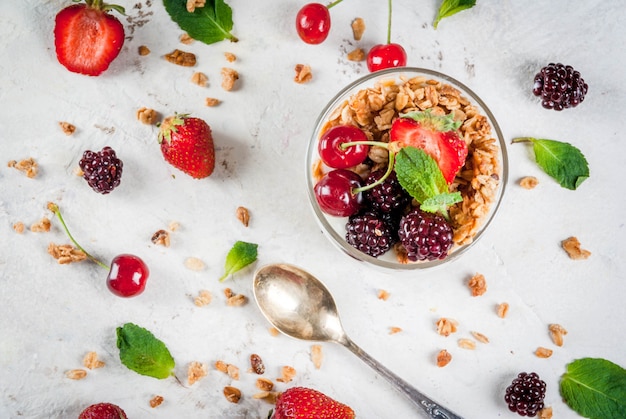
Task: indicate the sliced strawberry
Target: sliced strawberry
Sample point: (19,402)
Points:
(436,136)
(87,39)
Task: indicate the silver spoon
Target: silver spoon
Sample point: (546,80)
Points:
(300,306)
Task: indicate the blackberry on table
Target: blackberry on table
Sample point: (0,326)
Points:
(424,235)
(102,170)
(388,196)
(525,394)
(370,233)
(559,86)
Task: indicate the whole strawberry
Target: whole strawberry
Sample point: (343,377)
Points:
(103,411)
(187,144)
(87,38)
(306,403)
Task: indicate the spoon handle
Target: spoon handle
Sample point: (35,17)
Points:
(432,408)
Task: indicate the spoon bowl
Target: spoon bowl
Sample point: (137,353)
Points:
(300,306)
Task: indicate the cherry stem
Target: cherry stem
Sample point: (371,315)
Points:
(55,209)
(389,24)
(336,2)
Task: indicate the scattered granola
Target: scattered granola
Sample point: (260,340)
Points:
(502,310)
(232,371)
(264,384)
(182,58)
(173,226)
(42,226)
(232,394)
(466,344)
(161,238)
(18,227)
(200,79)
(186,39)
(194,264)
(66,253)
(394,329)
(303,73)
(211,102)
(192,4)
(257,364)
(196,371)
(147,116)
(556,333)
(204,298)
(91,361)
(156,401)
(243,215)
(143,50)
(67,128)
(446,326)
(572,246)
(545,413)
(357,55)
(76,374)
(29,166)
(383,295)
(317,356)
(229,77)
(274,331)
(528,182)
(286,374)
(477,285)
(480,337)
(542,352)
(236,300)
(358,27)
(221,366)
(230,57)
(443,358)
(268,396)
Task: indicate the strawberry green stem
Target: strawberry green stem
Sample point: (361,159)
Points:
(55,209)
(336,2)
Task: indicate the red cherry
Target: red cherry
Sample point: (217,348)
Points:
(128,275)
(313,23)
(334,193)
(383,56)
(331,153)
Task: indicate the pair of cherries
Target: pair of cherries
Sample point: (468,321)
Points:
(313,26)
(128,274)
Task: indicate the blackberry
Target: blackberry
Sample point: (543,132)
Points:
(424,235)
(370,233)
(102,170)
(525,394)
(559,87)
(388,196)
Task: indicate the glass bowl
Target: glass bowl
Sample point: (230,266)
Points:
(353,105)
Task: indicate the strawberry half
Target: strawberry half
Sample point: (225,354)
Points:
(87,38)
(187,144)
(103,411)
(303,403)
(436,135)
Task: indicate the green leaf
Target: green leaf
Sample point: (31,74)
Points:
(241,255)
(209,24)
(141,352)
(595,388)
(420,176)
(451,7)
(562,161)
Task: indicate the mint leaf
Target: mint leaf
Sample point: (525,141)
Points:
(420,176)
(595,388)
(209,24)
(241,255)
(451,7)
(141,352)
(562,161)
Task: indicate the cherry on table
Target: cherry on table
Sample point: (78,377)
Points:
(337,157)
(128,275)
(384,56)
(335,193)
(313,23)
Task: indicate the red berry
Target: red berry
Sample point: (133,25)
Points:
(128,275)
(103,411)
(313,23)
(333,155)
(302,402)
(383,56)
(335,195)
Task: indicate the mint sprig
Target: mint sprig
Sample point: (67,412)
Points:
(241,255)
(209,24)
(452,7)
(595,388)
(419,174)
(562,161)
(143,353)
